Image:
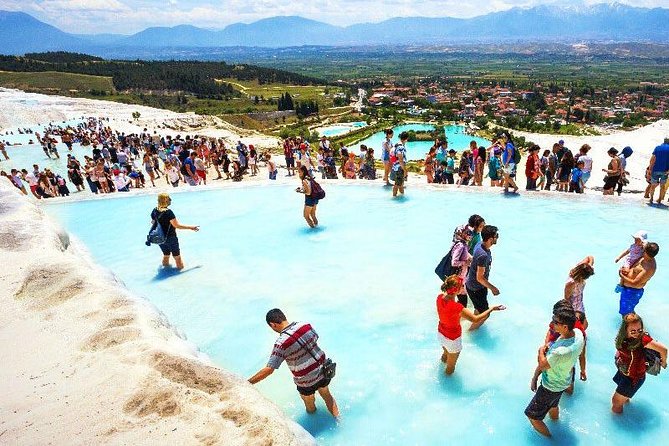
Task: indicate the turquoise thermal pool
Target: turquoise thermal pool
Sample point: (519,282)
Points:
(365,281)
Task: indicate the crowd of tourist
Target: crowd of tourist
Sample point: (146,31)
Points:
(465,271)
(118,163)
(558,168)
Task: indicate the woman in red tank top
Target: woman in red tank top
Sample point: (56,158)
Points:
(450,330)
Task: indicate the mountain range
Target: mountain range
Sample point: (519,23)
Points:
(21,33)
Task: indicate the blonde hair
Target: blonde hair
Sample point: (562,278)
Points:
(163,201)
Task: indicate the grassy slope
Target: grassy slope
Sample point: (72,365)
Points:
(268,91)
(55,81)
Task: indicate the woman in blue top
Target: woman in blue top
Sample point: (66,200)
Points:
(509,170)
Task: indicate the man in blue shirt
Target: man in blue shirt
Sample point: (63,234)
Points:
(658,170)
(509,170)
(477,283)
(189,169)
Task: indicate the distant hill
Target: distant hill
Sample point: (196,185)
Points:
(281,31)
(182,35)
(20,33)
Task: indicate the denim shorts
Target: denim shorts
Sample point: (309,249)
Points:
(658,178)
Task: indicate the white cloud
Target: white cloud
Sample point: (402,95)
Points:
(85,5)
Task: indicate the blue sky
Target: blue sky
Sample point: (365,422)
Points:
(130,16)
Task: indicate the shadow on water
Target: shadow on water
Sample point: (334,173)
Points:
(454,385)
(658,205)
(562,434)
(165,273)
(317,423)
(510,194)
(306,230)
(482,338)
(639,416)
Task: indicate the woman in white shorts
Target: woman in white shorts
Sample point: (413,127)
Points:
(450,311)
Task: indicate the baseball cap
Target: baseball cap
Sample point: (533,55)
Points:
(643,235)
(561,141)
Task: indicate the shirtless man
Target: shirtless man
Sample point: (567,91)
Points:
(635,278)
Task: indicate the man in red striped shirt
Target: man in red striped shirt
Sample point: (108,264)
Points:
(297,346)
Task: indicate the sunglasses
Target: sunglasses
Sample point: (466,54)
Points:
(640,330)
(556,321)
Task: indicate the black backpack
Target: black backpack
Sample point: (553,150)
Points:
(317,191)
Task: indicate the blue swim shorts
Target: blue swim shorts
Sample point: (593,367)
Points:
(629,298)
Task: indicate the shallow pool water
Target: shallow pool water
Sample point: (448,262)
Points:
(365,281)
(23,156)
(340,129)
(417,150)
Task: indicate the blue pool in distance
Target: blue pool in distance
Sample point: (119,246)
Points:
(416,150)
(341,129)
(365,281)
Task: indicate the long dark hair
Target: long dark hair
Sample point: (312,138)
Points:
(622,341)
(305,173)
(482,153)
(568,159)
(509,138)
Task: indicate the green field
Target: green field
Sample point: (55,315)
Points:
(274,91)
(55,82)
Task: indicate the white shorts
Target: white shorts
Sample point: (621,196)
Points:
(452,345)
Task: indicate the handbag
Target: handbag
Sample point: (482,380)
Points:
(445,267)
(653,362)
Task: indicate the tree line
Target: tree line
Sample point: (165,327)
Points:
(198,78)
(304,108)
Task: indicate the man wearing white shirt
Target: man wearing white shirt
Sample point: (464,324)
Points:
(587,162)
(32,180)
(121,182)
